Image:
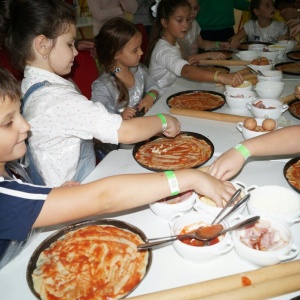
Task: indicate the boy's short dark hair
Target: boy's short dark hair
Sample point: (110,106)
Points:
(9,86)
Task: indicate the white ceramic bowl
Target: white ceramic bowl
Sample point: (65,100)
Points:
(289,44)
(245,86)
(280,48)
(248,134)
(237,100)
(273,113)
(167,209)
(275,202)
(269,89)
(192,221)
(248,55)
(271,55)
(272,75)
(279,247)
(261,68)
(210,207)
(257,47)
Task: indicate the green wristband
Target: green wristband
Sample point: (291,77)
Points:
(173,183)
(163,121)
(243,150)
(217,44)
(152,95)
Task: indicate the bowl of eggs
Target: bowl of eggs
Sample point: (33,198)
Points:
(269,89)
(267,108)
(260,64)
(170,206)
(245,86)
(192,249)
(205,204)
(237,100)
(252,127)
(271,75)
(266,242)
(275,202)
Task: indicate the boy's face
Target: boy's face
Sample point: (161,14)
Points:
(13,131)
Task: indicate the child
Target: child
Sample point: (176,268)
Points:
(124,87)
(279,142)
(24,206)
(63,121)
(164,57)
(261,27)
(193,40)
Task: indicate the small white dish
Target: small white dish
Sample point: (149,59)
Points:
(269,89)
(289,44)
(237,100)
(280,48)
(261,67)
(272,75)
(245,86)
(271,242)
(274,108)
(247,55)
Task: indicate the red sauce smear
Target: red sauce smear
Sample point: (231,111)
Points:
(246,281)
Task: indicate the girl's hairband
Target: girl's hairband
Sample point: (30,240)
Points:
(154,8)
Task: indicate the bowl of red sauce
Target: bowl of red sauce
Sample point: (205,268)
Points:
(195,250)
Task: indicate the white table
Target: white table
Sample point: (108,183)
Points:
(163,274)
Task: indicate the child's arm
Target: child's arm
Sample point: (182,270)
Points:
(148,101)
(205,44)
(193,59)
(234,41)
(122,192)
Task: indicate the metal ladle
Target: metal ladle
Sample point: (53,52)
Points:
(202,233)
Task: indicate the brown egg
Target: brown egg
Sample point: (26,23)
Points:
(263,63)
(255,62)
(269,124)
(250,123)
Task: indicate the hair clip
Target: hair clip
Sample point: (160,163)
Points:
(154,8)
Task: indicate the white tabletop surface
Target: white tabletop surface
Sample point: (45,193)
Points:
(163,274)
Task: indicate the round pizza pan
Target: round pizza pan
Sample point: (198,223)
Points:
(217,67)
(58,234)
(194,134)
(196,91)
(290,54)
(294,102)
(227,53)
(277,67)
(287,165)
(245,45)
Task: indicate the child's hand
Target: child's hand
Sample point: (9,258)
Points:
(128,113)
(146,103)
(173,126)
(233,79)
(234,43)
(297,91)
(224,45)
(216,55)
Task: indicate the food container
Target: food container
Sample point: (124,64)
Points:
(269,89)
(245,86)
(203,255)
(237,100)
(248,134)
(289,44)
(271,55)
(273,237)
(207,205)
(261,67)
(272,75)
(280,48)
(168,207)
(275,202)
(274,108)
(257,47)
(247,55)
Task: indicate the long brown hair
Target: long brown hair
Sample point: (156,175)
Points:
(113,36)
(165,10)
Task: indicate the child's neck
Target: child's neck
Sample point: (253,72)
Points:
(263,22)
(2,169)
(126,76)
(169,38)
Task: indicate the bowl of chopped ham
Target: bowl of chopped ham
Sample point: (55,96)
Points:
(266,242)
(267,108)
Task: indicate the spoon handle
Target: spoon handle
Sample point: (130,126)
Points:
(241,224)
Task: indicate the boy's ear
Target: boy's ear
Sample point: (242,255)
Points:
(42,45)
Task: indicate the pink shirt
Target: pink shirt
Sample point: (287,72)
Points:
(104,10)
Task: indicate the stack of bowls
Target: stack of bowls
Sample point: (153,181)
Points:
(269,89)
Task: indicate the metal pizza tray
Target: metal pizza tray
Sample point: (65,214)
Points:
(194,134)
(287,165)
(58,234)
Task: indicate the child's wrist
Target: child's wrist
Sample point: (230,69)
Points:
(173,183)
(152,95)
(217,44)
(243,150)
(216,76)
(163,122)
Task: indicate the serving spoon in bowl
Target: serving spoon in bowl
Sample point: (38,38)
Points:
(203,233)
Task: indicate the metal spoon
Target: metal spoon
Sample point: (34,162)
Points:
(200,234)
(256,71)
